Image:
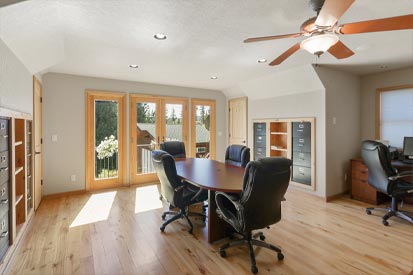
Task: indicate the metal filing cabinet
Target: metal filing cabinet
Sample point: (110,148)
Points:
(4,186)
(260,130)
(301,155)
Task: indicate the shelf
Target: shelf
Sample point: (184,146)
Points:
(19,169)
(18,199)
(279,133)
(279,149)
(17,143)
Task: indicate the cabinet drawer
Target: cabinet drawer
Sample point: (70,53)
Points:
(4,235)
(302,144)
(259,128)
(259,153)
(4,127)
(302,174)
(4,167)
(301,129)
(359,174)
(260,141)
(302,159)
(4,199)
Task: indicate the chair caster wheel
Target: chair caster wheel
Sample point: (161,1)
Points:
(262,237)
(386,223)
(254,269)
(368,212)
(163,217)
(162,228)
(222,253)
(280,256)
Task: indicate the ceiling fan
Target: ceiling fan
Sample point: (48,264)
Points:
(321,31)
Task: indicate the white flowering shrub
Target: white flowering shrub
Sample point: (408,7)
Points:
(107,147)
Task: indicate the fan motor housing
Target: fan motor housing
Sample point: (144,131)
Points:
(316,5)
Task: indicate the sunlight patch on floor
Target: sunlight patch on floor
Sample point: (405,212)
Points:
(96,209)
(147,198)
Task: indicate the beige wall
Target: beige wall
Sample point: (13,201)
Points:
(343,136)
(64,115)
(369,84)
(310,104)
(16,84)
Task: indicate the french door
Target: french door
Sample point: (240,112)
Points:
(105,140)
(203,128)
(153,120)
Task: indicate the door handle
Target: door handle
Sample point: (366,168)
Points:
(243,141)
(163,139)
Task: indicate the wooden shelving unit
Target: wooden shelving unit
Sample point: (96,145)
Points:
(19,183)
(278,139)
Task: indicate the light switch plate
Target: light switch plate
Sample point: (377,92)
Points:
(54,138)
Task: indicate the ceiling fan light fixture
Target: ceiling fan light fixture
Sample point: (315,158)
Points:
(320,43)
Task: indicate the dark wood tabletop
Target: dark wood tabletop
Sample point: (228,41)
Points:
(211,174)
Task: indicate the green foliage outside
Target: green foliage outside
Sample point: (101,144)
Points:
(106,120)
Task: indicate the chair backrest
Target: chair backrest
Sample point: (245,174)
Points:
(265,183)
(174,148)
(237,155)
(165,168)
(376,157)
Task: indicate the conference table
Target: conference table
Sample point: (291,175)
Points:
(213,176)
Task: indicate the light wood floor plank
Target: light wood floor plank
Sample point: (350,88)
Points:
(316,238)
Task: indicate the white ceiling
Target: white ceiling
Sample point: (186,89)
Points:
(102,37)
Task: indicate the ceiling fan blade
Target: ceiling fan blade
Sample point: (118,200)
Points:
(265,38)
(331,12)
(340,51)
(379,25)
(285,55)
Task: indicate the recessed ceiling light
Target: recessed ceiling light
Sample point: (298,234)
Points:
(160,36)
(133,66)
(262,60)
(214,77)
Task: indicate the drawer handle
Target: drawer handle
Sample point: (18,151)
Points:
(4,234)
(301,158)
(6,201)
(300,145)
(363,180)
(3,191)
(363,172)
(301,140)
(302,174)
(301,125)
(4,136)
(4,169)
(300,130)
(2,126)
(3,159)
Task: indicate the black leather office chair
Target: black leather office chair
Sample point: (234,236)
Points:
(258,205)
(237,155)
(384,178)
(178,193)
(174,148)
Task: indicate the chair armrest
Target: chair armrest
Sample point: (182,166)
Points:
(230,198)
(179,188)
(402,175)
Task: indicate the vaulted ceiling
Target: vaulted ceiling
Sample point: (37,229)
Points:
(102,37)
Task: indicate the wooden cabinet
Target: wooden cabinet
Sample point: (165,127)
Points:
(16,181)
(360,188)
(293,138)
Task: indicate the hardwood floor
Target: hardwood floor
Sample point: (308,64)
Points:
(115,232)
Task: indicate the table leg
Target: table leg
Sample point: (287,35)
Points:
(217,228)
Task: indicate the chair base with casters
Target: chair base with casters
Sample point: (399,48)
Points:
(182,213)
(391,211)
(250,240)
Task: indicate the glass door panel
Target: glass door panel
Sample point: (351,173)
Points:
(106,139)
(146,136)
(203,129)
(175,120)
(105,120)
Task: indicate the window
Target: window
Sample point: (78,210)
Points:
(394,118)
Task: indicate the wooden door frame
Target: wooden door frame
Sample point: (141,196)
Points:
(379,91)
(34,127)
(212,146)
(133,99)
(90,96)
(244,98)
(160,129)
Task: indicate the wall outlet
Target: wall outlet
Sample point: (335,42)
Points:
(73,178)
(334,120)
